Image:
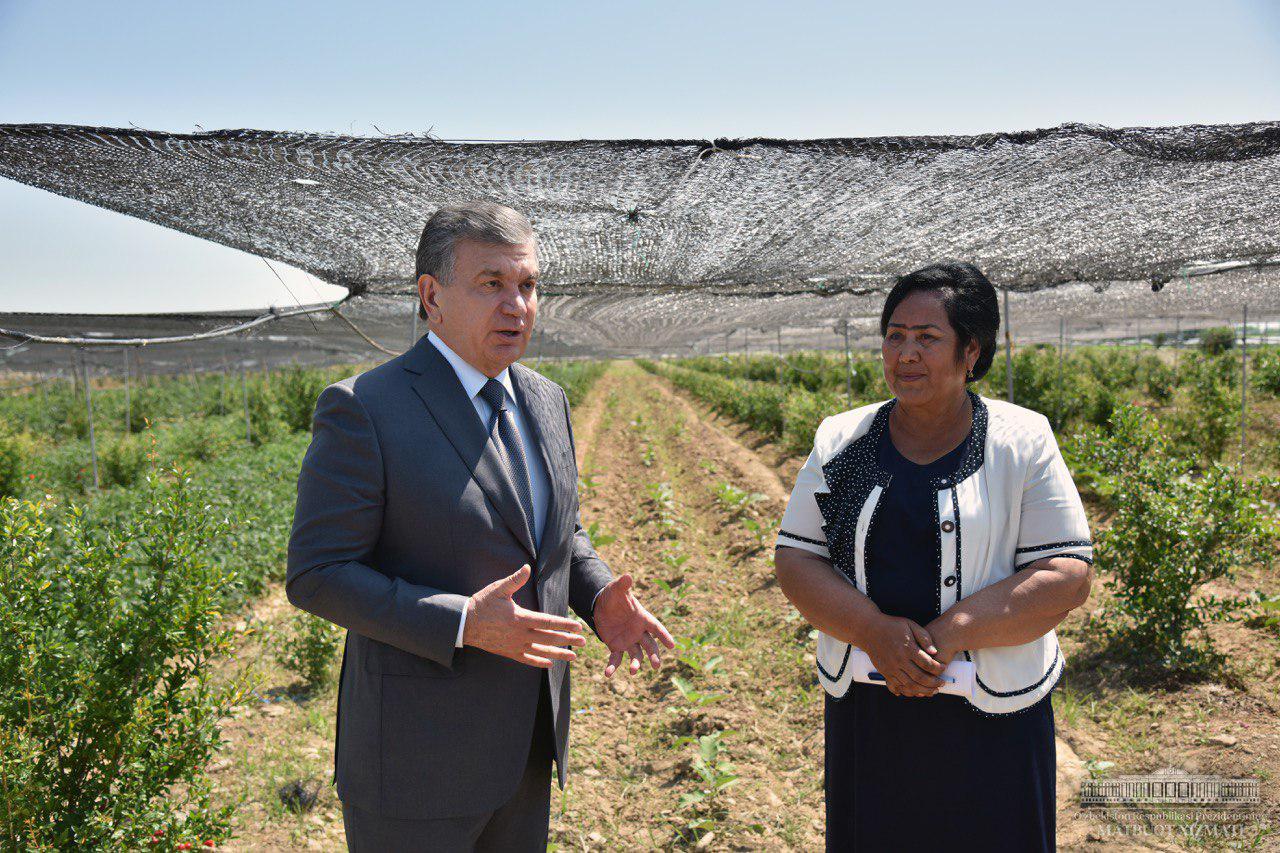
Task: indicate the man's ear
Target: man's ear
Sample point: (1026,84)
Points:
(428,285)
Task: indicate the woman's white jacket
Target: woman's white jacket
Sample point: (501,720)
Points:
(1010,502)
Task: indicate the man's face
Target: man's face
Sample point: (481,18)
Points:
(486,311)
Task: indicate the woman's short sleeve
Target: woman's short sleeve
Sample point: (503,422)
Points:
(802,522)
(1053,522)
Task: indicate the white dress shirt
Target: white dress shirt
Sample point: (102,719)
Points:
(539,484)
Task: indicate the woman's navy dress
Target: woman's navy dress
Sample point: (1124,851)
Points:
(930,773)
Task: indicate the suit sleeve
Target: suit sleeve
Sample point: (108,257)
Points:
(1053,522)
(336,525)
(801,525)
(588,574)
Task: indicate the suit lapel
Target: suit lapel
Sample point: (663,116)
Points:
(439,389)
(541,414)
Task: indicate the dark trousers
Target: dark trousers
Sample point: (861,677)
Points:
(519,824)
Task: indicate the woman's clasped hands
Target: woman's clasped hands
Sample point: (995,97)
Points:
(907,655)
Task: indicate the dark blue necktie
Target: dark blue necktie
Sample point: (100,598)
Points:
(508,441)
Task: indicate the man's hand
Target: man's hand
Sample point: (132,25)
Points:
(627,628)
(497,624)
(901,651)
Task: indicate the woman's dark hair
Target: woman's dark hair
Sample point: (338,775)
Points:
(969,300)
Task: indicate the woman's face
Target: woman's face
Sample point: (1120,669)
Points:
(919,351)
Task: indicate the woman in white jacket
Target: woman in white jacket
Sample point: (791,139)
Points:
(937,527)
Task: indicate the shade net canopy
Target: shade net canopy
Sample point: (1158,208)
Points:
(666,246)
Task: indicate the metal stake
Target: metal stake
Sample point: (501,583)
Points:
(244,385)
(1177,344)
(1244,381)
(1062,342)
(1008,345)
(848,364)
(128,408)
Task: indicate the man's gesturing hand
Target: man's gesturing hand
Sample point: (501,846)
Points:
(497,624)
(627,628)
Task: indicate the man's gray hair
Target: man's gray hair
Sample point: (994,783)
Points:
(482,221)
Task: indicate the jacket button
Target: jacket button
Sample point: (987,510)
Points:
(948,526)
(950,581)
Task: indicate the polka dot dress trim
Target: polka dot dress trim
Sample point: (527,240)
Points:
(1074,543)
(1020,566)
(1004,694)
(853,473)
(801,538)
(955,515)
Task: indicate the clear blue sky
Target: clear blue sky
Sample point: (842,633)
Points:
(558,70)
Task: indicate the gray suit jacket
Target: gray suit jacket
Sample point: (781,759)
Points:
(405,509)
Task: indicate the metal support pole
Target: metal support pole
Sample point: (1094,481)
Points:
(1062,342)
(244,386)
(1177,344)
(1244,381)
(226,378)
(1008,345)
(848,364)
(128,407)
(781,376)
(88,405)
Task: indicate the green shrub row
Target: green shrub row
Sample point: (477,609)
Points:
(789,416)
(110,628)
(809,371)
(575,377)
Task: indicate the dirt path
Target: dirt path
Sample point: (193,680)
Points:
(654,468)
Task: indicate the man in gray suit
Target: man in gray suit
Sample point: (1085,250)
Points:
(437,521)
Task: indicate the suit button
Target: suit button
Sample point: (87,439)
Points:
(948,526)
(950,581)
